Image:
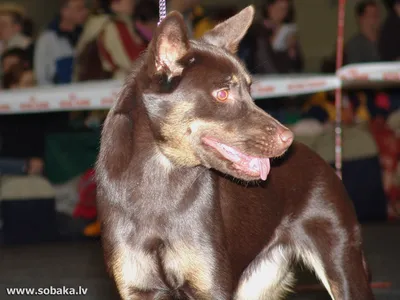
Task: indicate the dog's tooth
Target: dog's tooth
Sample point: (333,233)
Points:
(255,164)
(232,153)
(235,158)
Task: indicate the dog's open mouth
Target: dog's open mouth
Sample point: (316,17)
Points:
(250,165)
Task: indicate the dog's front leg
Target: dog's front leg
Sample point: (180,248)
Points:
(335,254)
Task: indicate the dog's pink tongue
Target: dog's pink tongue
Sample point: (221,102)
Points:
(242,161)
(262,165)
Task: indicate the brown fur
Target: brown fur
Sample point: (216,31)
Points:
(178,221)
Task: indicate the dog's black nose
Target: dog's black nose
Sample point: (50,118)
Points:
(286,136)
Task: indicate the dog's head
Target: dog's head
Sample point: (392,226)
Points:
(199,104)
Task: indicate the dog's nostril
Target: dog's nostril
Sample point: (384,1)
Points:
(286,136)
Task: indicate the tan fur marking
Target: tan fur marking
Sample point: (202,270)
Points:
(314,262)
(270,279)
(185,263)
(132,269)
(192,265)
(235,78)
(178,146)
(248,79)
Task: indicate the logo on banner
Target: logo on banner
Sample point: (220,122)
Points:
(391,76)
(74,101)
(5,107)
(262,89)
(306,85)
(109,101)
(354,74)
(34,104)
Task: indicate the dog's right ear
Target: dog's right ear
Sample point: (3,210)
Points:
(169,44)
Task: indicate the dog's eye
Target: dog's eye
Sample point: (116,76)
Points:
(221,95)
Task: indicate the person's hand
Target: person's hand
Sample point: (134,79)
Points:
(35,166)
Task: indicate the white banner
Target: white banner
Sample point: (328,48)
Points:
(101,95)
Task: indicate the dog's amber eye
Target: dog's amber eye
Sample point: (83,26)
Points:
(222,95)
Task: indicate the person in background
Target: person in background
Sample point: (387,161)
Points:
(146,18)
(55,47)
(363,46)
(119,42)
(19,76)
(389,42)
(13,166)
(88,65)
(11,30)
(271,46)
(13,57)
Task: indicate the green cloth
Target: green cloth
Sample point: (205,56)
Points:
(70,154)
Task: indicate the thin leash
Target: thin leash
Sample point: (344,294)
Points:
(162,9)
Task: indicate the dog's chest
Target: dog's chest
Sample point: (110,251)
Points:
(167,266)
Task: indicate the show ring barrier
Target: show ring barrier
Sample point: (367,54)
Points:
(102,94)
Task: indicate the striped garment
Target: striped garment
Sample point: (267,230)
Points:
(119,46)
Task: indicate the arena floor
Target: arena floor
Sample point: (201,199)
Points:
(80,264)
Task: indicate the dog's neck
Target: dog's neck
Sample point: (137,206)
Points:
(176,185)
(150,168)
(171,187)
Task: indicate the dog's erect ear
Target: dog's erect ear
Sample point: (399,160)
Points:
(229,33)
(169,44)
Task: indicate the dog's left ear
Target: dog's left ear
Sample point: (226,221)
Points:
(169,44)
(229,33)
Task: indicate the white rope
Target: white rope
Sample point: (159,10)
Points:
(162,9)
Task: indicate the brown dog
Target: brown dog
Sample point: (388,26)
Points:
(184,213)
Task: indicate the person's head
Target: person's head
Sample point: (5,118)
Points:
(279,11)
(367,13)
(19,77)
(11,23)
(74,12)
(13,57)
(396,7)
(124,7)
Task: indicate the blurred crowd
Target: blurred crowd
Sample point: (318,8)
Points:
(101,39)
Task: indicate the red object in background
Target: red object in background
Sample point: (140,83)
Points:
(86,207)
(382,101)
(388,147)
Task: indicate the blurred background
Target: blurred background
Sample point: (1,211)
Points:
(49,235)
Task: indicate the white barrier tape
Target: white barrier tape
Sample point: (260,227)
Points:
(355,71)
(101,95)
(277,86)
(79,96)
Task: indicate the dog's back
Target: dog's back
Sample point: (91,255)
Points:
(198,196)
